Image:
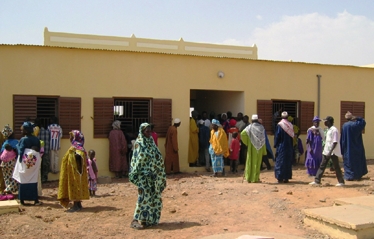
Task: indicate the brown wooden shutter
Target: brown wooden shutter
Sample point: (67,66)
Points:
(103,116)
(265,112)
(161,116)
(23,106)
(356,108)
(69,114)
(306,115)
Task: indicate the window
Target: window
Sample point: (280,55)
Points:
(356,108)
(301,111)
(132,112)
(66,109)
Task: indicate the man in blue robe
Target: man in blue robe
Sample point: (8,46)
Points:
(283,142)
(352,148)
(269,152)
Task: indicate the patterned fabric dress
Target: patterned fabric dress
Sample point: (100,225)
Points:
(11,185)
(73,185)
(7,167)
(147,172)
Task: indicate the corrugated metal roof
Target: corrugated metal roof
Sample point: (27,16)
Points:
(165,53)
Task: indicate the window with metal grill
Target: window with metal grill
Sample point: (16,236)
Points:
(270,113)
(132,112)
(66,109)
(46,109)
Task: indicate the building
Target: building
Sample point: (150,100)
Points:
(88,87)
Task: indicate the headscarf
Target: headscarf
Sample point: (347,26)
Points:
(7,131)
(78,140)
(256,133)
(232,123)
(216,122)
(141,139)
(116,124)
(28,126)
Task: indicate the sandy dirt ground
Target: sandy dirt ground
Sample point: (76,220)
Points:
(195,206)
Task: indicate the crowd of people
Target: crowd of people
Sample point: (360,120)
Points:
(213,143)
(26,163)
(227,140)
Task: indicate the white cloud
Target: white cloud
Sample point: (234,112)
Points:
(345,39)
(259,17)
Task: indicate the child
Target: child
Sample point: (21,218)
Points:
(154,134)
(231,130)
(92,173)
(234,153)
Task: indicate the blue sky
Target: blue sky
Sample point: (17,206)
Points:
(330,32)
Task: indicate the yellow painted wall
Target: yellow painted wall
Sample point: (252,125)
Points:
(41,70)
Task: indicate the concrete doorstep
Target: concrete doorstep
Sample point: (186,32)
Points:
(8,206)
(353,220)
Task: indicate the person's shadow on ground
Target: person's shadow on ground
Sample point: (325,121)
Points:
(168,226)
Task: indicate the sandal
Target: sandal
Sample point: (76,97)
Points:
(38,204)
(73,209)
(136,225)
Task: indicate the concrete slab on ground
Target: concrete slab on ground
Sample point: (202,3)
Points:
(8,206)
(363,200)
(347,221)
(251,235)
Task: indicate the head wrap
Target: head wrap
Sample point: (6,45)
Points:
(28,126)
(232,123)
(141,139)
(290,118)
(7,131)
(177,121)
(348,115)
(78,140)
(284,114)
(254,117)
(142,127)
(216,122)
(316,119)
(116,124)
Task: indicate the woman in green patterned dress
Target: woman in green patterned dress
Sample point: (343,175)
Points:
(147,172)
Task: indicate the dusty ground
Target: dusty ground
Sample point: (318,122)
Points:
(211,206)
